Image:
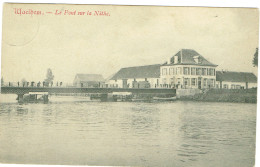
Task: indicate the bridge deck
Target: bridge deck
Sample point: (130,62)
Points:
(25,90)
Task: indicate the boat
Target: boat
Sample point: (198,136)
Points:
(34,97)
(164,98)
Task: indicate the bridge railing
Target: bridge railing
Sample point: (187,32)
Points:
(37,84)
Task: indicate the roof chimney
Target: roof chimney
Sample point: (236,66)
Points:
(175,59)
(169,61)
(181,56)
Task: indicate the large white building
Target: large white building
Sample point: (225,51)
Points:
(187,69)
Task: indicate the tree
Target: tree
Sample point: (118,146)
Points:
(49,76)
(2,81)
(255,60)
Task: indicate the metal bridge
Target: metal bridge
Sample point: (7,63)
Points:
(53,90)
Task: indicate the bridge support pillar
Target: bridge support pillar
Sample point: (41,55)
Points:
(111,97)
(45,98)
(20,98)
(104,97)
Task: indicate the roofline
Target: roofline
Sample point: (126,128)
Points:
(142,66)
(86,74)
(212,65)
(135,78)
(235,72)
(235,81)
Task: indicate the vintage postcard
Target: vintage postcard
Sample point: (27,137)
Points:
(110,85)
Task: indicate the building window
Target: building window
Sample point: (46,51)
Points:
(204,71)
(193,71)
(198,71)
(164,80)
(171,71)
(211,71)
(179,81)
(164,71)
(205,82)
(178,70)
(185,70)
(185,81)
(212,83)
(233,86)
(193,81)
(145,79)
(172,81)
(238,87)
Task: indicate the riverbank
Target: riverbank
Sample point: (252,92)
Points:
(225,95)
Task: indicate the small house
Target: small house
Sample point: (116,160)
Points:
(235,80)
(89,81)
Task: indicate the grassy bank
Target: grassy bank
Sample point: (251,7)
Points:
(225,95)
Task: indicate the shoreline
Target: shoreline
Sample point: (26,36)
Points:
(224,95)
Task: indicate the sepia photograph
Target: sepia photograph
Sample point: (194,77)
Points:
(126,85)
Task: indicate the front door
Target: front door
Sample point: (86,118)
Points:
(199,83)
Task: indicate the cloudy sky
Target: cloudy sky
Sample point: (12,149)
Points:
(130,36)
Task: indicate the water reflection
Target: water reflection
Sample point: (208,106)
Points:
(133,134)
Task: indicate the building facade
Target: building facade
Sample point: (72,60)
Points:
(187,69)
(88,81)
(136,77)
(235,80)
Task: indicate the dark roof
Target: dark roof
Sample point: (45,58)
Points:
(235,76)
(90,77)
(186,57)
(149,71)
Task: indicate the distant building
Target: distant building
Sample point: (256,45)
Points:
(136,77)
(89,80)
(235,80)
(188,69)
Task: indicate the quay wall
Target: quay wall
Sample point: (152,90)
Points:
(223,95)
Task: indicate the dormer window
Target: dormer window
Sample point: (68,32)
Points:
(196,59)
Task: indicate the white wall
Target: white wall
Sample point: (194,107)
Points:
(115,83)
(242,84)
(119,82)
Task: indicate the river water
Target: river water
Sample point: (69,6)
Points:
(73,131)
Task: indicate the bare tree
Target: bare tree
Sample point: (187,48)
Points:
(255,60)
(49,76)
